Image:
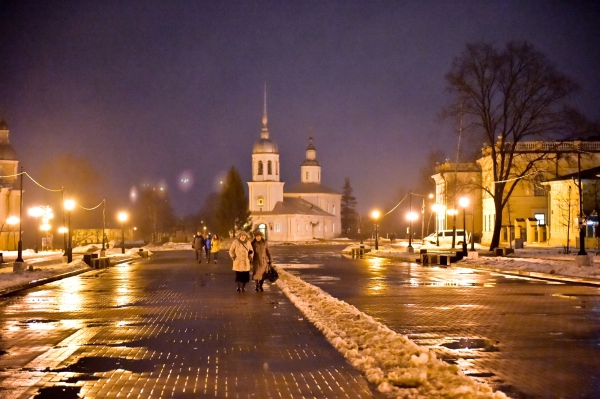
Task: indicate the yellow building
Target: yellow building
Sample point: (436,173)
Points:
(10,194)
(533,213)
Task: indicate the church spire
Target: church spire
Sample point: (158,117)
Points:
(264,134)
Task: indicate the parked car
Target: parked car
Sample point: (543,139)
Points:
(445,237)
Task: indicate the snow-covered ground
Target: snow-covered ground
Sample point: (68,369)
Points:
(395,364)
(539,259)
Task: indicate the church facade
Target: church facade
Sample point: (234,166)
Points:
(306,211)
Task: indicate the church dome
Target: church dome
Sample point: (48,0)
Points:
(265,146)
(7,153)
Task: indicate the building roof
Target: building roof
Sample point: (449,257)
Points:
(587,174)
(295,206)
(264,145)
(310,188)
(7,153)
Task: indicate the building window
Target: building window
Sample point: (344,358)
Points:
(306,175)
(261,202)
(277,169)
(541,218)
(325,228)
(277,227)
(260,168)
(333,228)
(333,211)
(298,226)
(269,169)
(306,227)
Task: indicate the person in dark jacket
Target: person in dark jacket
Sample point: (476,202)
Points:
(261,260)
(207,247)
(198,244)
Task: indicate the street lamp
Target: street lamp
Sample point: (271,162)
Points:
(69,205)
(122,218)
(375,215)
(411,217)
(36,212)
(464,202)
(12,220)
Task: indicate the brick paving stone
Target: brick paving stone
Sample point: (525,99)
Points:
(167,327)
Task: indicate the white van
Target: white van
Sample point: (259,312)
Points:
(445,237)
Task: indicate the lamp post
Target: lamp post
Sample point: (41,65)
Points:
(45,227)
(453,212)
(411,217)
(437,208)
(473,227)
(103,252)
(375,215)
(464,202)
(582,223)
(12,220)
(69,205)
(123,218)
(36,212)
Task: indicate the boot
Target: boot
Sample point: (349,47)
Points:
(257,286)
(260,287)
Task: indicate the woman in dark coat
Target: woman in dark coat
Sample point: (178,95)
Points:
(262,259)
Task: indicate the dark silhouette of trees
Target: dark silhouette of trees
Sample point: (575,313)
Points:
(506,96)
(153,214)
(232,212)
(348,212)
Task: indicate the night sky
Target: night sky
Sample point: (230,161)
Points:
(148,90)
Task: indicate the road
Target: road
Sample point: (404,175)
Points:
(530,338)
(168,327)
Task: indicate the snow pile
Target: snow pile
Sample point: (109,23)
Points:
(559,267)
(9,279)
(399,367)
(169,246)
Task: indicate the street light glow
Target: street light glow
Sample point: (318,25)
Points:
(375,215)
(36,211)
(63,230)
(45,227)
(452,212)
(122,216)
(69,205)
(412,216)
(463,202)
(12,220)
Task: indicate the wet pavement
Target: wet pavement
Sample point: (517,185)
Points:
(165,327)
(529,338)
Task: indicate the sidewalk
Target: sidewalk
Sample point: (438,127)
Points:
(535,261)
(48,266)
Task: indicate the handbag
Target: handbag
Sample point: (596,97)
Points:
(272,274)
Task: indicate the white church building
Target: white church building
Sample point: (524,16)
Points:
(308,210)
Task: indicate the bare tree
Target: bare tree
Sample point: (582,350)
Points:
(511,95)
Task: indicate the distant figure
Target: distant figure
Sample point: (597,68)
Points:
(215,244)
(198,246)
(261,260)
(207,246)
(241,253)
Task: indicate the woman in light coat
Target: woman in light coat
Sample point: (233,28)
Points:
(261,260)
(241,253)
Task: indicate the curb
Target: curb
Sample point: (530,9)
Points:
(36,283)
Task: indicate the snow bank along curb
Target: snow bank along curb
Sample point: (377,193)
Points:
(396,365)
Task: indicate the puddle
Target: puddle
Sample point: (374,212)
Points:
(104,364)
(58,392)
(471,344)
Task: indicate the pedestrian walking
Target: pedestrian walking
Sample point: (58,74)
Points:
(261,260)
(207,246)
(241,253)
(198,246)
(215,244)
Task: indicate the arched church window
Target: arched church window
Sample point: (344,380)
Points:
(306,175)
(260,168)
(277,169)
(269,168)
